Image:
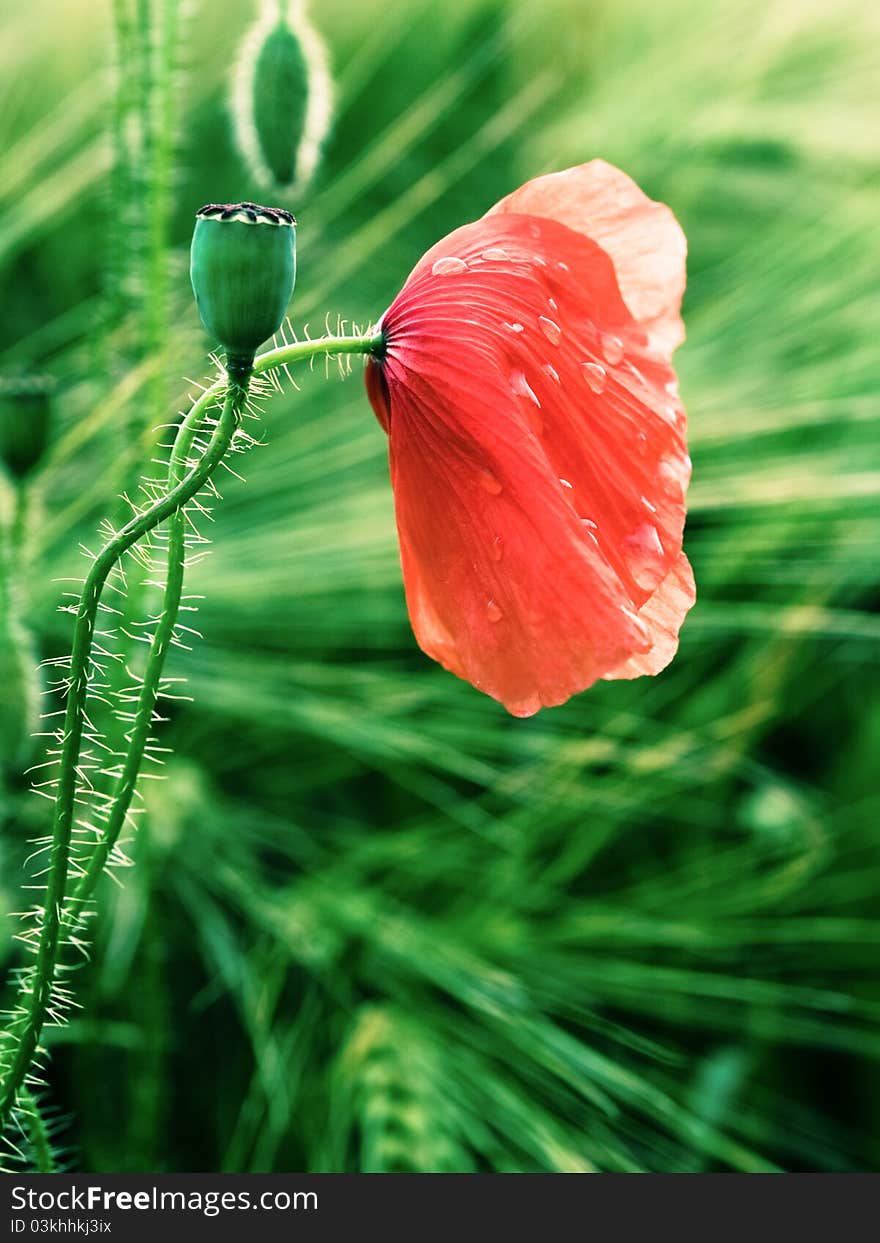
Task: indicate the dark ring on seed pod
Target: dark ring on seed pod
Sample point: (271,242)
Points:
(248,213)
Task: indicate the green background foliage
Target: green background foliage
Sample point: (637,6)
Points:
(374,923)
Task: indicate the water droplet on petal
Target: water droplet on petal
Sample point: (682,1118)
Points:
(636,375)
(673,474)
(644,556)
(612,348)
(553,304)
(448,266)
(496,550)
(551,372)
(596,376)
(522,388)
(566,484)
(550,329)
(590,530)
(513,327)
(649,537)
(489,483)
(495,254)
(640,626)
(562,266)
(669,414)
(493,612)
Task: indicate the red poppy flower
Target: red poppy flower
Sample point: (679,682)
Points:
(537,443)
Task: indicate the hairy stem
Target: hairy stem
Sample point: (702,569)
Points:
(139,734)
(32,1120)
(182,487)
(19,702)
(28,1026)
(302,351)
(137,739)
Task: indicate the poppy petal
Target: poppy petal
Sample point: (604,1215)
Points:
(505,586)
(539,305)
(643,238)
(663,615)
(537,457)
(377,392)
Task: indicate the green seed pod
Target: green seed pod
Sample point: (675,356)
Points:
(282,98)
(25,416)
(243,269)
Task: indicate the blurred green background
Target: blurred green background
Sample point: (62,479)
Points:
(374,923)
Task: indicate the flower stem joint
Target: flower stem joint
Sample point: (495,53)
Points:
(243,270)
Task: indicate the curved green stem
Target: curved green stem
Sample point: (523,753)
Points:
(28,1026)
(140,732)
(182,488)
(18,707)
(304,350)
(164,633)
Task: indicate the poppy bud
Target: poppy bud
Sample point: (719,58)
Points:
(25,414)
(282,98)
(243,268)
